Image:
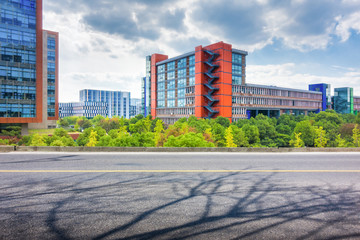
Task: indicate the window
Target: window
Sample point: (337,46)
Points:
(181,102)
(171,94)
(161,68)
(171,85)
(237,69)
(181,82)
(192,71)
(161,95)
(181,93)
(192,60)
(161,77)
(171,75)
(191,81)
(236,58)
(161,85)
(170,66)
(236,80)
(181,72)
(171,103)
(181,63)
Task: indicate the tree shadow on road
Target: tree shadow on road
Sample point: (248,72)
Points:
(181,206)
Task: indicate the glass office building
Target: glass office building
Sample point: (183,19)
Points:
(26,96)
(118,103)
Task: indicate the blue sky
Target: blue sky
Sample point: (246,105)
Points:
(291,43)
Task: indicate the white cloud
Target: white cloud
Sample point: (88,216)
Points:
(285,75)
(346,24)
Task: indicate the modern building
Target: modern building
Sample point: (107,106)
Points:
(135,107)
(356,104)
(83,109)
(211,81)
(343,100)
(146,89)
(118,102)
(28,66)
(326,94)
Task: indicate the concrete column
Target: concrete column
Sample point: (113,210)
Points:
(24,129)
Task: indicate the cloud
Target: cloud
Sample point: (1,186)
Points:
(285,75)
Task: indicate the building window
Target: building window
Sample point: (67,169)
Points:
(181,63)
(171,66)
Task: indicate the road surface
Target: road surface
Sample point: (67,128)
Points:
(180,196)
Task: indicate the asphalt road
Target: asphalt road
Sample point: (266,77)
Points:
(180,196)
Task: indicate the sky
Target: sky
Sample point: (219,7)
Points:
(291,43)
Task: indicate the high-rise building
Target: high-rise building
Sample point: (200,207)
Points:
(118,103)
(211,81)
(28,66)
(146,89)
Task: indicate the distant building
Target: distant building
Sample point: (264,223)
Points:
(28,66)
(83,109)
(211,81)
(343,100)
(135,107)
(118,102)
(326,94)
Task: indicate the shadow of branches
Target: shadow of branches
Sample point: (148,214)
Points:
(176,206)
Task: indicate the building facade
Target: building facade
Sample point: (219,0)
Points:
(211,82)
(83,109)
(118,103)
(28,95)
(343,100)
(135,107)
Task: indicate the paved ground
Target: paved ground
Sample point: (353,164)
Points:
(180,196)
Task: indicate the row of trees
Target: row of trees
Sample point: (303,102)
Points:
(325,129)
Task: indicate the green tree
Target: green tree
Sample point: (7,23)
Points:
(239,137)
(84,123)
(340,142)
(252,133)
(229,138)
(297,142)
(57,143)
(92,139)
(225,122)
(63,123)
(218,133)
(320,139)
(307,132)
(37,140)
(159,133)
(356,136)
(188,140)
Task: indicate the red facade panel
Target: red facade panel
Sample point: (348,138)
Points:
(224,83)
(155,58)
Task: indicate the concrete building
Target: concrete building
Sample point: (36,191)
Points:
(28,66)
(211,81)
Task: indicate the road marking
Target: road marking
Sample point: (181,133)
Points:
(179,171)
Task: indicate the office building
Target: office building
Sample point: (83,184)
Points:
(83,109)
(343,100)
(135,107)
(28,66)
(118,102)
(211,81)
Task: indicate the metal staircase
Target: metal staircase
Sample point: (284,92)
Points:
(209,84)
